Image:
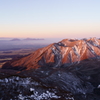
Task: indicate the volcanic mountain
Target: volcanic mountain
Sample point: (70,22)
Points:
(64,53)
(69,66)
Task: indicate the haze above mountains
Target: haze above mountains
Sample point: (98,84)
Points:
(24,43)
(18,39)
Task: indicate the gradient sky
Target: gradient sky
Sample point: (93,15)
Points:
(50,18)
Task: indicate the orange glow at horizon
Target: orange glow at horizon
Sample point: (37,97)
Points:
(51,30)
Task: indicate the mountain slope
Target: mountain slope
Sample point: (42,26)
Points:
(69,68)
(64,53)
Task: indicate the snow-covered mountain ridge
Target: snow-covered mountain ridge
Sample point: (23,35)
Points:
(64,53)
(67,70)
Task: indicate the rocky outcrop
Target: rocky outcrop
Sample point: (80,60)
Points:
(70,66)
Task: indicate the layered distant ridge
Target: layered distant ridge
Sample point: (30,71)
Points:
(64,53)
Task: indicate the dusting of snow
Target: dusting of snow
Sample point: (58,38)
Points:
(31,89)
(76,51)
(46,95)
(98,86)
(69,98)
(65,52)
(59,75)
(89,45)
(30,85)
(70,56)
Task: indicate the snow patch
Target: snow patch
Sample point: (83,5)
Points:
(98,86)
(44,96)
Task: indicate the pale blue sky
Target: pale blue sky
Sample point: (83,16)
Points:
(49,18)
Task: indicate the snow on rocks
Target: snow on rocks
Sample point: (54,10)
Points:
(98,86)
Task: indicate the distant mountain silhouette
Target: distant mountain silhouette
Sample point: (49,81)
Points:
(28,39)
(15,39)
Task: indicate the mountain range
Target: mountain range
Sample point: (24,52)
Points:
(62,54)
(71,65)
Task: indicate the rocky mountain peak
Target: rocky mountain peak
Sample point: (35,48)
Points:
(64,53)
